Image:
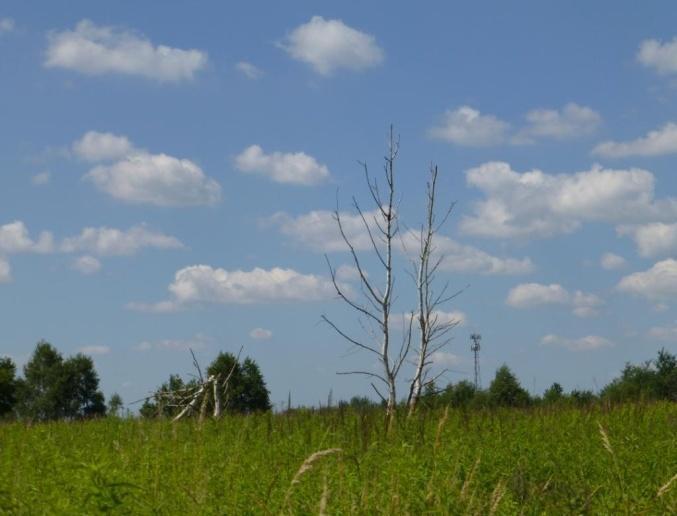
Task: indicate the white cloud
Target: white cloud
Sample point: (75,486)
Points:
(6,25)
(294,168)
(588,343)
(156,179)
(445,359)
(249,70)
(468,127)
(199,341)
(5,271)
(105,241)
(459,257)
(400,321)
(611,261)
(87,265)
(536,204)
(41,179)
(571,121)
(656,284)
(330,45)
(347,273)
(95,350)
(205,284)
(318,231)
(97,50)
(660,56)
(667,333)
(656,239)
(14,239)
(137,176)
(95,146)
(528,295)
(655,143)
(260,334)
(162,307)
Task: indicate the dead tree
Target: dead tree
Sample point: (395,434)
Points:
(433,330)
(375,304)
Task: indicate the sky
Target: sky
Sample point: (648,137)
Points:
(168,176)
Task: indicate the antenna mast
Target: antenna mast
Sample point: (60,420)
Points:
(475,348)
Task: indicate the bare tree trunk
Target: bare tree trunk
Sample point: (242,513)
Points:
(431,328)
(376,306)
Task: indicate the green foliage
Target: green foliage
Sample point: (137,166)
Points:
(652,380)
(506,391)
(529,461)
(115,405)
(8,386)
(54,388)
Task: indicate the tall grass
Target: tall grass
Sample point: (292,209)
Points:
(565,461)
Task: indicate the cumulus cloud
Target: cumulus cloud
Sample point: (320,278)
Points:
(445,359)
(655,239)
(667,333)
(528,295)
(6,25)
(98,50)
(588,343)
(536,204)
(611,261)
(318,231)
(468,127)
(143,178)
(457,257)
(260,334)
(294,168)
(104,241)
(199,341)
(249,70)
(656,143)
(662,57)
(5,271)
(571,121)
(87,265)
(15,239)
(41,179)
(94,350)
(331,45)
(204,284)
(658,283)
(95,146)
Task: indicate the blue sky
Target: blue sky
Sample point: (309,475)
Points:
(167,176)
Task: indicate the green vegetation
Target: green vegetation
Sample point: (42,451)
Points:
(506,461)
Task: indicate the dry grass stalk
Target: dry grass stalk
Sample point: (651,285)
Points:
(325,498)
(666,487)
(496,496)
(605,439)
(311,460)
(440,426)
(469,479)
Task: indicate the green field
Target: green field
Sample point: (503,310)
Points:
(539,461)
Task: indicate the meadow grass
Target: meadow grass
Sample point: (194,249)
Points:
(620,460)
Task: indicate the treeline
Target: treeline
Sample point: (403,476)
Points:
(56,388)
(651,381)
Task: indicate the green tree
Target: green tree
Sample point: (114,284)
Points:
(463,394)
(115,405)
(80,392)
(54,388)
(8,386)
(40,391)
(553,394)
(246,390)
(505,389)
